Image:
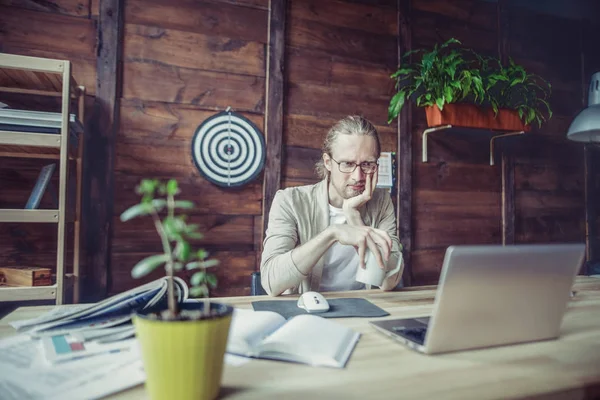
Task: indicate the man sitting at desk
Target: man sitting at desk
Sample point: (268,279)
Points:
(317,234)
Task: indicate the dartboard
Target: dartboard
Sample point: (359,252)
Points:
(228,149)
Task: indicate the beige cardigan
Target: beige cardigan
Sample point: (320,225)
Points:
(297,215)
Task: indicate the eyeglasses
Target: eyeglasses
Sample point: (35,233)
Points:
(368,167)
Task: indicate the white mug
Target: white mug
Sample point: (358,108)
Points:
(372,274)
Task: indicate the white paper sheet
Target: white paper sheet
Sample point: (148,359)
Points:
(18,352)
(50,315)
(25,374)
(385,177)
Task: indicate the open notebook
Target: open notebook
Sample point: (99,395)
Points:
(307,339)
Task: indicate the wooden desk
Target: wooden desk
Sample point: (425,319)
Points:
(567,368)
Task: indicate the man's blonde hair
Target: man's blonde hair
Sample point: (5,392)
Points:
(350,125)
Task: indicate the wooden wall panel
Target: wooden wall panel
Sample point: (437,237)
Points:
(206,89)
(246,4)
(193,50)
(309,131)
(352,42)
(550,205)
(456,194)
(143,121)
(474,14)
(473,22)
(335,103)
(317,67)
(75,41)
(231,272)
(76,8)
(76,35)
(207,197)
(339,57)
(59,29)
(429,262)
(33,245)
(345,14)
(184,61)
(299,162)
(209,18)
(236,229)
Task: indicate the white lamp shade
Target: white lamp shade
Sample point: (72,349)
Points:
(586,126)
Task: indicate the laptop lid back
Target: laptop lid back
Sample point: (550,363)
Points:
(493,295)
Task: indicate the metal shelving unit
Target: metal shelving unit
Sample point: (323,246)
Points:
(33,76)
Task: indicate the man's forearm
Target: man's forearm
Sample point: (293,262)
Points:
(306,256)
(287,269)
(353,218)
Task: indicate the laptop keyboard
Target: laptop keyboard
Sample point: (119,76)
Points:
(416,334)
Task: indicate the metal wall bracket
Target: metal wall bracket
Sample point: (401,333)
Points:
(427,131)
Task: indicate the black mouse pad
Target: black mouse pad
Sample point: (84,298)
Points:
(338,308)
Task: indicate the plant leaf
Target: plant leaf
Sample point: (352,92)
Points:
(198,278)
(448,94)
(148,265)
(440,103)
(530,115)
(402,71)
(159,204)
(182,250)
(202,254)
(202,264)
(173,228)
(199,291)
(136,211)
(396,104)
(171,188)
(147,187)
(183,204)
(212,280)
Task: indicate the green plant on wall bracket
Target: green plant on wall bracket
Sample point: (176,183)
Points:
(450,73)
(514,88)
(443,75)
(175,235)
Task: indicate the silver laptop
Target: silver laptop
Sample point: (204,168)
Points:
(492,295)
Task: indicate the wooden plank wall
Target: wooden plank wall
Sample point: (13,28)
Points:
(456,194)
(185,60)
(30,28)
(335,63)
(550,202)
(591,65)
(339,55)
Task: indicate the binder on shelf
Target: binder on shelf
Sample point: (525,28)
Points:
(40,187)
(39,119)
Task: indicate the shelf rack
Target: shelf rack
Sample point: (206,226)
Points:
(34,76)
(495,135)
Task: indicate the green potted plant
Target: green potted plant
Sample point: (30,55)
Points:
(182,345)
(459,87)
(511,87)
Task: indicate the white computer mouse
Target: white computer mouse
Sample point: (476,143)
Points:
(313,302)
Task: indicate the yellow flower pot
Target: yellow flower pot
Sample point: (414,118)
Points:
(184,359)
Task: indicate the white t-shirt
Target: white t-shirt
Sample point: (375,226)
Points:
(340,261)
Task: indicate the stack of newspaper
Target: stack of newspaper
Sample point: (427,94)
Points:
(80,351)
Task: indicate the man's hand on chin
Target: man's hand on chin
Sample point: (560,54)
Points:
(351,205)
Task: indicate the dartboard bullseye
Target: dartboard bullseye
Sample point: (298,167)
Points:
(228,149)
